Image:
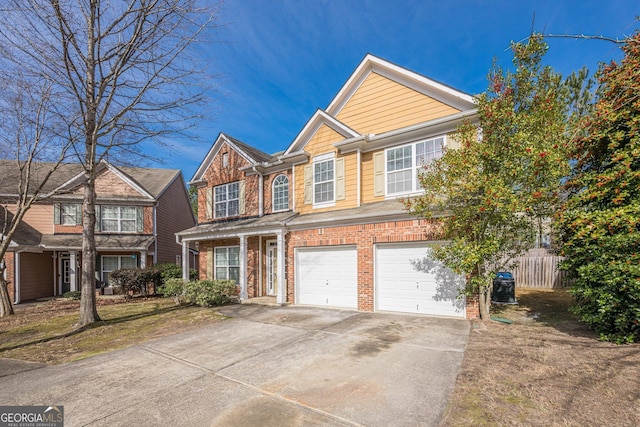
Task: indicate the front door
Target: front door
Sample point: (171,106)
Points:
(65,273)
(272,267)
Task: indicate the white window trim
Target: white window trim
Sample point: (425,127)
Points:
(63,215)
(214,203)
(119,219)
(414,168)
(273,193)
(119,257)
(215,266)
(319,159)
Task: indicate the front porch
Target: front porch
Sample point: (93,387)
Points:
(250,251)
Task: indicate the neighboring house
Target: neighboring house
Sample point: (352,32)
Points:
(320,223)
(138,212)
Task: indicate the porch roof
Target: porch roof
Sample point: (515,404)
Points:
(387,210)
(256,225)
(104,242)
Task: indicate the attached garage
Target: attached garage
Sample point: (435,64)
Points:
(406,281)
(327,276)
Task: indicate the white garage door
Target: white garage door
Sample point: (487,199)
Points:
(327,276)
(407,281)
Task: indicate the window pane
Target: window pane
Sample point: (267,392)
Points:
(281,193)
(234,273)
(234,256)
(110,212)
(109,224)
(128,225)
(221,193)
(233,208)
(128,213)
(221,273)
(221,210)
(68,214)
(109,263)
(221,256)
(128,262)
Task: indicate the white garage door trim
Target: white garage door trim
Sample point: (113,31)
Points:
(402,286)
(327,276)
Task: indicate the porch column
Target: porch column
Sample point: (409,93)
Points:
(73,270)
(143,259)
(185,261)
(243,268)
(281,298)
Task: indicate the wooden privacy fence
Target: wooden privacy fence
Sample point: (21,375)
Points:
(539,269)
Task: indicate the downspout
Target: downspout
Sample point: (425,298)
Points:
(55,270)
(358,178)
(155,231)
(260,191)
(16,277)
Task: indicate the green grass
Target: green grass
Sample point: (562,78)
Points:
(48,334)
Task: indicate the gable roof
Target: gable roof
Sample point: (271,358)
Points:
(151,182)
(434,89)
(318,119)
(249,153)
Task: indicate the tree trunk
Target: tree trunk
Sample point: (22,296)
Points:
(484,302)
(6,308)
(88,311)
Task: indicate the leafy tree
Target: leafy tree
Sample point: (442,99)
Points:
(600,223)
(121,73)
(493,192)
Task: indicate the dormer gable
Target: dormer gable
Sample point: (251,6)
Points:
(314,124)
(250,154)
(110,183)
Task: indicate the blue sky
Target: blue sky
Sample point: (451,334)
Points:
(277,61)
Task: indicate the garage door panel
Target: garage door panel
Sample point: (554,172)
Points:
(407,281)
(327,276)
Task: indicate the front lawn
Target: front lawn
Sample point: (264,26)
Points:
(45,332)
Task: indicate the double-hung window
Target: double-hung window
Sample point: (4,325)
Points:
(68,213)
(227,263)
(323,180)
(112,263)
(280,193)
(121,219)
(227,200)
(403,164)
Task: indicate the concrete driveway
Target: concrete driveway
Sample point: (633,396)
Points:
(264,366)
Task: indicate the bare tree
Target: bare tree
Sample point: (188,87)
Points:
(122,69)
(27,138)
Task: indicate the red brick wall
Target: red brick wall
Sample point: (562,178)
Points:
(218,174)
(268,190)
(253,261)
(364,237)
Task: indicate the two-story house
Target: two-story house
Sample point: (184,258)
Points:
(138,212)
(320,223)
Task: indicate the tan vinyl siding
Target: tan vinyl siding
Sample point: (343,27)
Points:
(380,105)
(367,179)
(322,143)
(39,216)
(173,215)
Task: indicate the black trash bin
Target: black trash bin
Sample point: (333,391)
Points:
(504,289)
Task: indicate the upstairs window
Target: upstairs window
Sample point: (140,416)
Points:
(280,193)
(68,213)
(120,219)
(227,200)
(403,164)
(323,182)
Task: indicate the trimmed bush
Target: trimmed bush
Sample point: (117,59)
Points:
(170,270)
(136,280)
(74,295)
(205,293)
(173,288)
